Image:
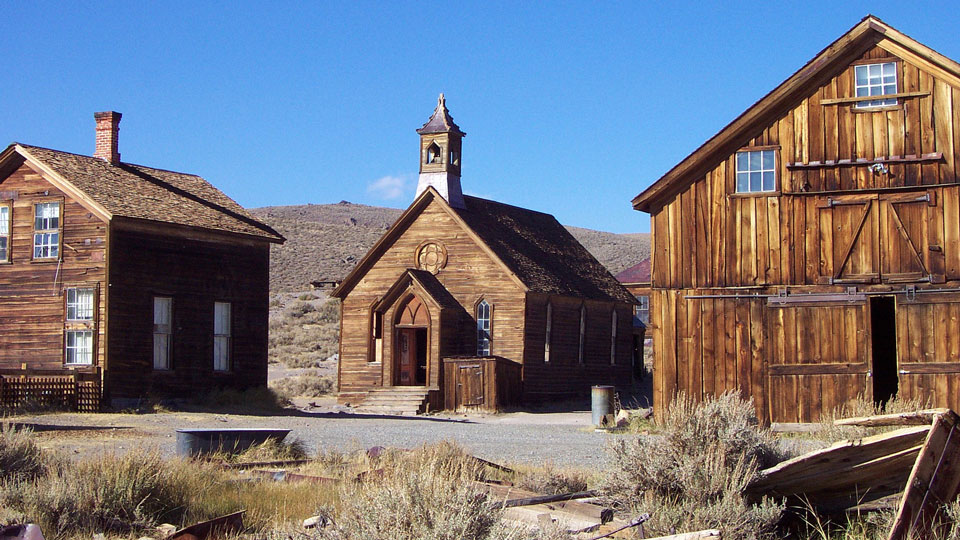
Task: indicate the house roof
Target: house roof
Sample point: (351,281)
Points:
(441,121)
(427,282)
(138,192)
(532,246)
(868,32)
(638,273)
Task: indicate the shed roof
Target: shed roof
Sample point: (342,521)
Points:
(134,191)
(868,32)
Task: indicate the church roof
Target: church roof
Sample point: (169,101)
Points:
(540,253)
(441,121)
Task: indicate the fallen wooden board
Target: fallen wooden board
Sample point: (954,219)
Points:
(934,481)
(847,473)
(230,523)
(533,515)
(287,476)
(261,464)
(509,495)
(698,535)
(916,418)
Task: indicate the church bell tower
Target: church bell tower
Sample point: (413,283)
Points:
(440,143)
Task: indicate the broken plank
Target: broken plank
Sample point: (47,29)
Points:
(712,534)
(933,482)
(915,418)
(516,497)
(230,523)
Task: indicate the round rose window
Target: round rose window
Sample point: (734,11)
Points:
(432,257)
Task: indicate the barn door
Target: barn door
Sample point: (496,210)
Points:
(818,358)
(470,385)
(912,242)
(849,252)
(928,347)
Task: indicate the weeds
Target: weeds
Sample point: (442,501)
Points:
(251,400)
(20,457)
(304,335)
(309,384)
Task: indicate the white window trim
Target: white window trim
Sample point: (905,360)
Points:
(872,104)
(748,171)
(47,239)
(6,231)
(484,331)
(80,353)
(222,336)
(84,308)
(162,334)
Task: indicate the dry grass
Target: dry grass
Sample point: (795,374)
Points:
(305,334)
(20,457)
(830,433)
(693,475)
(251,400)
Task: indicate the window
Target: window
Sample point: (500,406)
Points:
(483,328)
(583,331)
(876,80)
(79,304)
(454,158)
(433,153)
(547,339)
(221,336)
(79,347)
(46,234)
(4,233)
(613,338)
(377,331)
(162,331)
(756,171)
(642,311)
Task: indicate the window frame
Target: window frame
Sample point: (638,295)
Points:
(774,150)
(58,231)
(583,334)
(7,256)
(487,333)
(79,304)
(75,326)
(168,356)
(224,364)
(642,311)
(67,348)
(871,105)
(548,336)
(613,336)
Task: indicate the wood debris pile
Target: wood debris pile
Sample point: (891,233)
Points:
(921,460)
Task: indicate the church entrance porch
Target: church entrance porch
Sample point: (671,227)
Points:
(412,330)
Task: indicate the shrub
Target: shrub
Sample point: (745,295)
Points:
(271,450)
(300,309)
(256,399)
(306,297)
(693,475)
(550,480)
(309,384)
(20,457)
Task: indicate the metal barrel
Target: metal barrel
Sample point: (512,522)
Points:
(601,403)
(193,442)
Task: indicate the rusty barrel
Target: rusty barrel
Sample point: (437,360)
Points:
(601,403)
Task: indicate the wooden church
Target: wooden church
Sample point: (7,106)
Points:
(809,252)
(471,303)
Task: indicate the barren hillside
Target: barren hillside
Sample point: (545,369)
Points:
(325,241)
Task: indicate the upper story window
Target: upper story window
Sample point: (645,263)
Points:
(80,304)
(876,80)
(5,233)
(642,311)
(756,171)
(483,328)
(162,331)
(46,234)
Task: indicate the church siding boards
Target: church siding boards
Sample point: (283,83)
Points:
(514,259)
(832,223)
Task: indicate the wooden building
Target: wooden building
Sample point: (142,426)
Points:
(151,283)
(808,253)
(467,302)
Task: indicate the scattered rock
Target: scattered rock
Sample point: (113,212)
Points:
(316,522)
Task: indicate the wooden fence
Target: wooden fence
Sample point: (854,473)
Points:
(76,391)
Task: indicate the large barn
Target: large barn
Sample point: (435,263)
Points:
(121,282)
(808,253)
(467,302)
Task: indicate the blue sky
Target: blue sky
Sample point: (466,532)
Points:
(570,108)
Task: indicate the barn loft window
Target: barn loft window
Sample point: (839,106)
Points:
(548,337)
(221,336)
(4,233)
(46,234)
(433,153)
(876,80)
(483,328)
(583,331)
(162,331)
(756,171)
(613,338)
(80,304)
(79,347)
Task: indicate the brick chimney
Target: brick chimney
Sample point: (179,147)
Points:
(108,127)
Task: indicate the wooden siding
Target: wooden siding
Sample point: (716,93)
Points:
(144,263)
(32,293)
(564,373)
(470,274)
(481,383)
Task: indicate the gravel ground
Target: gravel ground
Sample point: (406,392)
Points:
(563,438)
